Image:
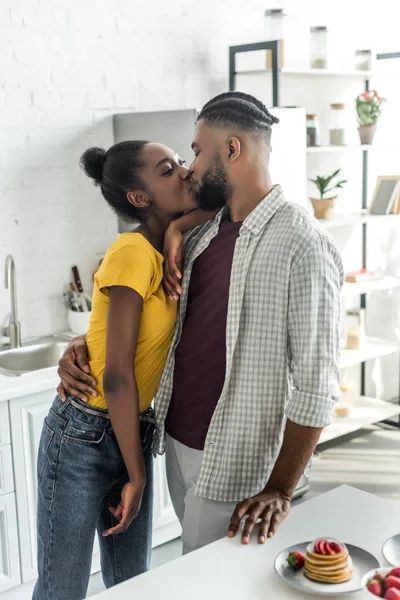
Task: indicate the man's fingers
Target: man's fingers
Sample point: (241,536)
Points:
(263,531)
(81,357)
(253,515)
(265,524)
(73,378)
(61,392)
(276,520)
(239,512)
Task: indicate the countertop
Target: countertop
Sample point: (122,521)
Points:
(229,570)
(28,383)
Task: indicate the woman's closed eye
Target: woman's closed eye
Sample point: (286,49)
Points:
(170,170)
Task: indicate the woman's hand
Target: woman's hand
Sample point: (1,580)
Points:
(128,507)
(173,255)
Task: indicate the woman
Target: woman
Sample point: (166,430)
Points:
(95,462)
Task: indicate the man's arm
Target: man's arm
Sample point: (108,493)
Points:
(313,339)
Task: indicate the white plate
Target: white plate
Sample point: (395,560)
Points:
(391,550)
(363,562)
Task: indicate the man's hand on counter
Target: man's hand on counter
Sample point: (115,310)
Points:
(269,507)
(74,371)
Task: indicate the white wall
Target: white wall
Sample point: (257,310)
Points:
(66,65)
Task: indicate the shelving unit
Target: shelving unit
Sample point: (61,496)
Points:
(329,149)
(361,218)
(309,72)
(373,348)
(367,287)
(367,410)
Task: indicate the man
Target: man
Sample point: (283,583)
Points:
(252,375)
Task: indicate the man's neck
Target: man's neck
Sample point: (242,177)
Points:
(245,199)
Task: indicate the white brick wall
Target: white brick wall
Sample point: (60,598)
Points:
(65,66)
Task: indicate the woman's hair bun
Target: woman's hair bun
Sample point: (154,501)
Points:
(92,162)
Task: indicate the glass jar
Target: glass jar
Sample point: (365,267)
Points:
(355,327)
(312,130)
(363,60)
(275,21)
(337,128)
(319,47)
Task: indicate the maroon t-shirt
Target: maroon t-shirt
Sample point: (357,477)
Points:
(200,357)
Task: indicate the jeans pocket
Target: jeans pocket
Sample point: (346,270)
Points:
(46,438)
(85,435)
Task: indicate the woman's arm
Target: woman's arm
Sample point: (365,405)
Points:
(124,312)
(173,247)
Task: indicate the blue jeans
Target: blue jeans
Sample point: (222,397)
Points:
(81,473)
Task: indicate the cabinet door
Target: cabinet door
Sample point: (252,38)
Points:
(4,424)
(27,415)
(9,559)
(6,471)
(166,526)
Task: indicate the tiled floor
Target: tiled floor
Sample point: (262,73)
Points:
(370,462)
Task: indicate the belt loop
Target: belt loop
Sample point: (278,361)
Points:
(62,406)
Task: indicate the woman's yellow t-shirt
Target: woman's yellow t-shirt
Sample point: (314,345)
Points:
(133,262)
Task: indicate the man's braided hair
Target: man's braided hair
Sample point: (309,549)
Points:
(237,109)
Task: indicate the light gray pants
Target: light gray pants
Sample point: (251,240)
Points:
(203,521)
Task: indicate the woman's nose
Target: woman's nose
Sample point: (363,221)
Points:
(184,172)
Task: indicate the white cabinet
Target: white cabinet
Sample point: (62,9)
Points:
(27,414)
(6,471)
(166,526)
(26,417)
(4,424)
(9,559)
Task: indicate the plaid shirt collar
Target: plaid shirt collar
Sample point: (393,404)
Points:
(259,217)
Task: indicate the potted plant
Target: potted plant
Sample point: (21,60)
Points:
(369,107)
(323,207)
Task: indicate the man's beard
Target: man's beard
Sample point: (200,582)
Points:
(214,190)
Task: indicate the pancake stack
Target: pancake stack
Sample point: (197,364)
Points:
(328,561)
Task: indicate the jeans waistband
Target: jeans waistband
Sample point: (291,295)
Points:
(61,406)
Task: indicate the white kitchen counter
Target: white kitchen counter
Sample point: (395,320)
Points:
(228,570)
(29,383)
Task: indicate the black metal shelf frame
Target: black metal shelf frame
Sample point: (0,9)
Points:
(276,77)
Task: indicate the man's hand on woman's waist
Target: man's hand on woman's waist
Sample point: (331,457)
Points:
(74,371)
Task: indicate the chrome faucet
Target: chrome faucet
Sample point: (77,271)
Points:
(14,328)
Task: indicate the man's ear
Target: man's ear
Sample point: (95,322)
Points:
(139,199)
(234,148)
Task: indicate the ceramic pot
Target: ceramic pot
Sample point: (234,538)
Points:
(323,208)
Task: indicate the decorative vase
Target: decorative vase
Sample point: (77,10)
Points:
(367,133)
(323,207)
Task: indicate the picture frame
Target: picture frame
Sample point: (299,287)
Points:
(386,196)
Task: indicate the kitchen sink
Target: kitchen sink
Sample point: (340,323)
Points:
(31,357)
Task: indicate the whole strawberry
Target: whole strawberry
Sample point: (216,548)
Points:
(296,560)
(395,572)
(375,587)
(392,594)
(392,582)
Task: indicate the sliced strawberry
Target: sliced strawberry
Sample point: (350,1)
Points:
(329,549)
(323,547)
(317,547)
(337,548)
